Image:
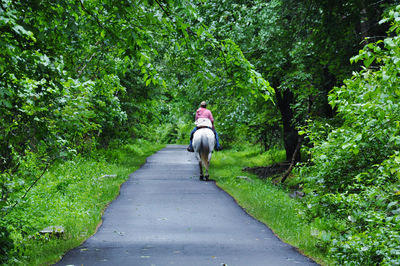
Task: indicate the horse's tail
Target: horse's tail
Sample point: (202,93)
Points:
(204,150)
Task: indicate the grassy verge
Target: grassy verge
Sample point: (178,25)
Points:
(265,201)
(72,194)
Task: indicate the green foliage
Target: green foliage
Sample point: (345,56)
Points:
(6,244)
(76,75)
(353,179)
(45,113)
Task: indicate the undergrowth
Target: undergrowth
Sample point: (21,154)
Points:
(72,194)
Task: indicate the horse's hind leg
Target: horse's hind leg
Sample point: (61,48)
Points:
(207,165)
(201,171)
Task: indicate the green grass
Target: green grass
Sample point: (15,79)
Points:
(72,194)
(264,200)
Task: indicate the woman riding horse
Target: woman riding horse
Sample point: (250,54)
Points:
(203,112)
(203,145)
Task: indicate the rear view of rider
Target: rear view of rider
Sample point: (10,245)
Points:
(203,112)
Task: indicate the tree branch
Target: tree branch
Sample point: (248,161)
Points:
(27,191)
(87,63)
(165,11)
(83,65)
(98,20)
(91,14)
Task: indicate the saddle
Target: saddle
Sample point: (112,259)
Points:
(203,122)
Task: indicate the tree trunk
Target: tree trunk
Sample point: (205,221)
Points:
(329,83)
(290,133)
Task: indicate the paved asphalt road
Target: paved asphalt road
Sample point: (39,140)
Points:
(166,216)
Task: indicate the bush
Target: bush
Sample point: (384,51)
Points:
(6,244)
(353,179)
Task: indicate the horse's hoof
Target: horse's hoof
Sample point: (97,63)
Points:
(201,177)
(207,177)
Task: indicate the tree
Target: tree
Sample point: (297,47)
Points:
(300,47)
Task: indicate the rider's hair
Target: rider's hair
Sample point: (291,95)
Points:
(203,104)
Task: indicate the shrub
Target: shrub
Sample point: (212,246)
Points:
(353,180)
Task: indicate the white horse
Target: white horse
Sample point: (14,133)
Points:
(203,145)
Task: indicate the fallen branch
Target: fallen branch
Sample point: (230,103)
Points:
(293,161)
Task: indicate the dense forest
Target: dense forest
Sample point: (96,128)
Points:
(317,79)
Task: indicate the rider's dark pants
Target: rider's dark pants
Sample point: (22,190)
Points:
(213,129)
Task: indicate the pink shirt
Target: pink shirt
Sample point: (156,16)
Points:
(204,113)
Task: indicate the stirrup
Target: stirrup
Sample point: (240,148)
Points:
(190,149)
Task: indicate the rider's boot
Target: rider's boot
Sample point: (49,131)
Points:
(190,148)
(217,145)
